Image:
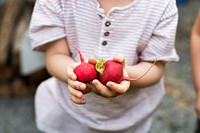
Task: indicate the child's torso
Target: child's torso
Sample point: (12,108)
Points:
(104,35)
(125,29)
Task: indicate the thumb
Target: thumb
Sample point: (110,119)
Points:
(119,58)
(92,60)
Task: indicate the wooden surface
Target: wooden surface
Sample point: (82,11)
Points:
(14,20)
(8,24)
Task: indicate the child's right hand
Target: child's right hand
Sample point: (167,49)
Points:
(76,88)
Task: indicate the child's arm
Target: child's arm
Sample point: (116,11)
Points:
(195,60)
(152,77)
(60,65)
(58,59)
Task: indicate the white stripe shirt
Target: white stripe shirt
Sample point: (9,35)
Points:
(143,29)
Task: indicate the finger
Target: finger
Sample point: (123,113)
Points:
(119,88)
(70,73)
(92,88)
(77,85)
(78,100)
(119,58)
(92,60)
(103,90)
(75,93)
(86,90)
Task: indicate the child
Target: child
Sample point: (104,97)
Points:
(195,46)
(132,32)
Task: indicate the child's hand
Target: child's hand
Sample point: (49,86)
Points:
(112,89)
(76,88)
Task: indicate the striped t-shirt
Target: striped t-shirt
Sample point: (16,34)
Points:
(141,30)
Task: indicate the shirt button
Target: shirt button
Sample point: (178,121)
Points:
(106,33)
(104,43)
(107,23)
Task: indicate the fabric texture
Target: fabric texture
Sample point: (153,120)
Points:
(140,30)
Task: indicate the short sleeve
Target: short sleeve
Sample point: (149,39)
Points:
(161,45)
(46,23)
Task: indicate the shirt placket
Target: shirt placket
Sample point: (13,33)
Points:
(105,31)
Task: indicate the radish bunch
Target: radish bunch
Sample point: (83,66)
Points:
(104,71)
(113,71)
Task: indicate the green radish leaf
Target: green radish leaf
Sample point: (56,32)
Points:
(100,65)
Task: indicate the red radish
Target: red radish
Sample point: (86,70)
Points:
(113,71)
(85,72)
(109,71)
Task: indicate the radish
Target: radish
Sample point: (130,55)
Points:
(85,72)
(113,71)
(109,71)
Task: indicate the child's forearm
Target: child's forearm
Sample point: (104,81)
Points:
(58,59)
(57,66)
(151,78)
(195,54)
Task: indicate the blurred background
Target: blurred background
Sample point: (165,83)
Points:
(21,70)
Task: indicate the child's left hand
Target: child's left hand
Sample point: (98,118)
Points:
(112,89)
